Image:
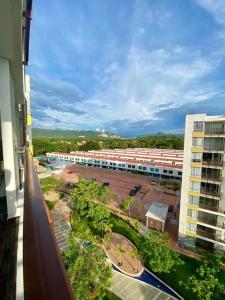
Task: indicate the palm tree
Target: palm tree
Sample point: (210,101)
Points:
(134,254)
(120,250)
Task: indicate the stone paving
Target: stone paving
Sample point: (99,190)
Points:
(128,288)
(61,214)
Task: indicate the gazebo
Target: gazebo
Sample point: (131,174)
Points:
(156,215)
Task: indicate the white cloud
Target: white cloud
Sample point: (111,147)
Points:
(215,7)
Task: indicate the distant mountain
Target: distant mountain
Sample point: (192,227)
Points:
(59,133)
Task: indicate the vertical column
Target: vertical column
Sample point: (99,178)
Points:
(7,138)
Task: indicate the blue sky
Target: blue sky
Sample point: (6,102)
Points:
(129,67)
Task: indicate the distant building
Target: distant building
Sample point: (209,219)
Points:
(157,163)
(202,207)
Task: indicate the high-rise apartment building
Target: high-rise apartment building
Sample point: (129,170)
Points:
(202,206)
(30,264)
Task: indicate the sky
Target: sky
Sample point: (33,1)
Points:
(125,66)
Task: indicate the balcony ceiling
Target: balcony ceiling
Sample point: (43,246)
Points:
(11,40)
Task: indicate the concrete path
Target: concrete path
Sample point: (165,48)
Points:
(128,288)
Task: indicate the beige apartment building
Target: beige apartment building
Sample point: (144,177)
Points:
(202,206)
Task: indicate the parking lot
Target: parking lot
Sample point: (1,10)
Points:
(121,184)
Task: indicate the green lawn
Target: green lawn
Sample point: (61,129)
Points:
(120,226)
(110,296)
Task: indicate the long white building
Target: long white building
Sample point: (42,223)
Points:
(158,163)
(202,209)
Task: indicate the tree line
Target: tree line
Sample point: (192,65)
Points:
(43,145)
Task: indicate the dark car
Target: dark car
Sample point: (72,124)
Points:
(133,192)
(105,184)
(137,187)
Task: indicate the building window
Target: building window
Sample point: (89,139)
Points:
(179,173)
(165,171)
(129,166)
(191,227)
(140,167)
(144,168)
(196,172)
(197,142)
(195,186)
(192,213)
(152,169)
(170,172)
(157,170)
(133,167)
(193,200)
(196,157)
(198,126)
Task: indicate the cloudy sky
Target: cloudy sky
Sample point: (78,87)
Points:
(129,67)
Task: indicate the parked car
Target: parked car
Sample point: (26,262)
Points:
(105,184)
(137,187)
(133,192)
(153,182)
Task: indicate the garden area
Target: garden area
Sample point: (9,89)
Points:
(85,260)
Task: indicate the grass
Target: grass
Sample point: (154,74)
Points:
(111,296)
(51,204)
(120,226)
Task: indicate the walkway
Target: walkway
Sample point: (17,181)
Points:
(61,214)
(128,288)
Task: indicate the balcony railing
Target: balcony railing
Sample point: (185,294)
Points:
(44,273)
(214,131)
(205,234)
(210,192)
(210,236)
(211,208)
(212,177)
(216,163)
(207,221)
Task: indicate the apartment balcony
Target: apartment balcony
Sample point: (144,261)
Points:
(210,163)
(215,132)
(205,234)
(216,209)
(210,236)
(207,221)
(214,178)
(212,193)
(43,269)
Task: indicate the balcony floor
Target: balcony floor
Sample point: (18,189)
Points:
(8,256)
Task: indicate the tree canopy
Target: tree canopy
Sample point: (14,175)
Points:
(156,253)
(87,268)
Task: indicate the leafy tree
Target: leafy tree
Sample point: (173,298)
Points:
(156,253)
(88,271)
(134,254)
(90,145)
(126,203)
(204,283)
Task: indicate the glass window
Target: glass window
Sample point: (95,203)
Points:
(179,173)
(144,168)
(197,142)
(198,126)
(156,170)
(192,213)
(196,172)
(193,200)
(152,169)
(170,172)
(191,227)
(196,157)
(195,186)
(164,171)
